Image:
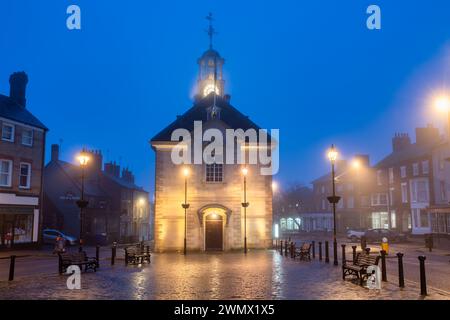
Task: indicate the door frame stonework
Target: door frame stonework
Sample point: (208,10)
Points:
(220,210)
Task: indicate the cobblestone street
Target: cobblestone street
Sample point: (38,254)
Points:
(259,275)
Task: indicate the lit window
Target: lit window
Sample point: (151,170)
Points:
(25,175)
(214,172)
(297,223)
(283,224)
(424,222)
(5,173)
(8,132)
(290,224)
(27,137)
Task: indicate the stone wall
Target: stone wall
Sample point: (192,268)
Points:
(227,195)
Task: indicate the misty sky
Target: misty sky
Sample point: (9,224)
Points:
(310,68)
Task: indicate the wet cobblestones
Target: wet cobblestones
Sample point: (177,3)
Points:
(259,275)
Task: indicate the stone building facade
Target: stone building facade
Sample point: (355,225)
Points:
(215,219)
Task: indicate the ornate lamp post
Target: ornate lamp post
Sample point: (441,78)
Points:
(185,206)
(245,204)
(332,156)
(83,159)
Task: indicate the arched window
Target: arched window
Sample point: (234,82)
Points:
(283,224)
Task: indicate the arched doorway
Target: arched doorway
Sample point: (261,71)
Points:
(213,232)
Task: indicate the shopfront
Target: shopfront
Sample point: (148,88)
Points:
(18,226)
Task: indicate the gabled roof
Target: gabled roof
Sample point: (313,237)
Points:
(9,109)
(411,152)
(73,172)
(228,114)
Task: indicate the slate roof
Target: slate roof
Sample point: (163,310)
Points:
(73,172)
(90,187)
(9,109)
(122,182)
(408,153)
(228,114)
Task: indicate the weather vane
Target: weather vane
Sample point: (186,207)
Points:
(211,31)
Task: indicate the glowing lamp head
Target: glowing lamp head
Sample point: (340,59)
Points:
(356,164)
(244,172)
(442,103)
(332,154)
(186,172)
(274,186)
(141,201)
(83,159)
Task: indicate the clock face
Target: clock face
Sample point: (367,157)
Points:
(210,88)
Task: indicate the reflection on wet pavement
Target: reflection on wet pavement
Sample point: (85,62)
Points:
(259,275)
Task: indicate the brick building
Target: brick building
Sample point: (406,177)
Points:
(403,187)
(353,184)
(118,209)
(22,149)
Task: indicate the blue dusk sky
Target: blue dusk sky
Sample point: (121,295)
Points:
(309,68)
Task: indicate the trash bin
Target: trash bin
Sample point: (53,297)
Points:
(385,245)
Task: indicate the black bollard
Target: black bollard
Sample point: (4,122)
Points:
(292,250)
(367,250)
(343,254)
(327,252)
(313,244)
(423,280)
(281,247)
(12,266)
(354,253)
(401,275)
(286,248)
(383,266)
(113,254)
(97,255)
(320,251)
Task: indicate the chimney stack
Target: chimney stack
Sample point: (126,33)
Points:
(127,175)
(55,152)
(18,84)
(400,141)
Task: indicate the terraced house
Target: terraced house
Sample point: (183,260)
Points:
(22,147)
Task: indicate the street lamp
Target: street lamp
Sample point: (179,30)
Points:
(245,204)
(332,156)
(442,104)
(185,206)
(83,159)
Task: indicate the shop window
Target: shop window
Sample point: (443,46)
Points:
(290,224)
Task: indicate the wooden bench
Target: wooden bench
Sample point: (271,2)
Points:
(304,252)
(358,268)
(79,259)
(137,254)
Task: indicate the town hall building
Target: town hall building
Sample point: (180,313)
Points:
(209,204)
